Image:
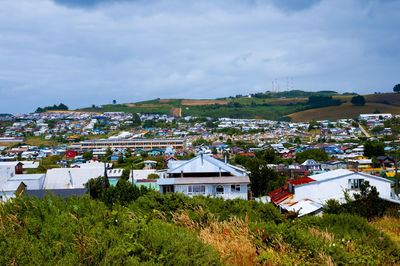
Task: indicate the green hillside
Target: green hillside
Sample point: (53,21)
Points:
(296,105)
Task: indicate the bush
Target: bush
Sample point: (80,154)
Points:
(76,231)
(358,100)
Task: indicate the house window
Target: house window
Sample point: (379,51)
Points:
(220,189)
(355,183)
(235,188)
(196,190)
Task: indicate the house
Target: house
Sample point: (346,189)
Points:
(386,161)
(149,164)
(205,175)
(12,180)
(11,168)
(68,178)
(70,154)
(310,165)
(333,165)
(307,195)
(167,159)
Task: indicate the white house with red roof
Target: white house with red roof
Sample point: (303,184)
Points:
(307,195)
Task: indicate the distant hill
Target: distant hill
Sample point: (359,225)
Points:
(325,105)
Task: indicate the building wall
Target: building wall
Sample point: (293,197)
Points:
(211,190)
(145,144)
(321,191)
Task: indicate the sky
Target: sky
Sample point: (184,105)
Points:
(95,51)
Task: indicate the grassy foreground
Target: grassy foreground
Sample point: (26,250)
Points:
(178,230)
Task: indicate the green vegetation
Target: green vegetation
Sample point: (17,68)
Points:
(358,100)
(316,154)
(155,229)
(293,105)
(373,149)
(60,107)
(366,203)
(396,88)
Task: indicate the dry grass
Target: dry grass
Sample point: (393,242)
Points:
(346,110)
(391,98)
(238,245)
(164,100)
(324,234)
(203,102)
(130,105)
(176,111)
(390,226)
(231,238)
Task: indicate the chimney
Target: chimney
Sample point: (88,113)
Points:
(220,174)
(181,173)
(201,155)
(226,159)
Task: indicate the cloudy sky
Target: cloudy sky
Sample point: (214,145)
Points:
(54,51)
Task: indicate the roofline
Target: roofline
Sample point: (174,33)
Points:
(370,176)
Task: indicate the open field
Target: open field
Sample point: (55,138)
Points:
(202,102)
(388,98)
(150,105)
(346,110)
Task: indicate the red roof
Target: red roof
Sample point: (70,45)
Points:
(300,181)
(277,191)
(146,181)
(281,197)
(251,154)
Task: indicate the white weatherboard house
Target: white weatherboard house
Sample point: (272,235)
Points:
(205,175)
(308,195)
(12,182)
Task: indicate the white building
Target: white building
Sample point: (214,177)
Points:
(205,175)
(308,195)
(11,180)
(374,116)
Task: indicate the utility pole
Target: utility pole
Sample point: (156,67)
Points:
(396,176)
(131,172)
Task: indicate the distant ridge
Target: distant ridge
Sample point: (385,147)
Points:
(293,105)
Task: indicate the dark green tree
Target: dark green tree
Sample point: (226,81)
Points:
(262,178)
(109,152)
(358,100)
(268,155)
(128,153)
(136,120)
(396,88)
(87,156)
(373,149)
(316,154)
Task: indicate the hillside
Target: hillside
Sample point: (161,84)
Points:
(345,110)
(264,106)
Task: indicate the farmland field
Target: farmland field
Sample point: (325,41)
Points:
(203,102)
(346,110)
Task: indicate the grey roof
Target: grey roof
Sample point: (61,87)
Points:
(204,180)
(205,164)
(60,178)
(63,193)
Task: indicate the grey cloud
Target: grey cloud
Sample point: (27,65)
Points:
(136,50)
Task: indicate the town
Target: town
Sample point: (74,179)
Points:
(310,163)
